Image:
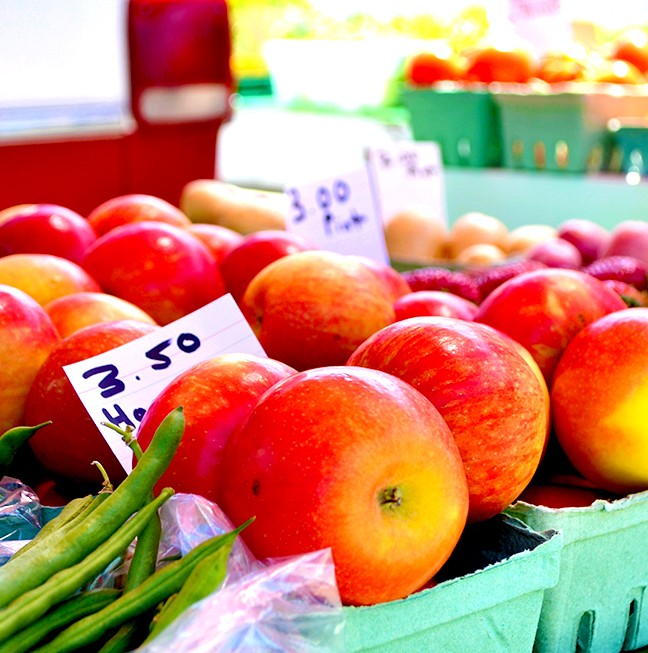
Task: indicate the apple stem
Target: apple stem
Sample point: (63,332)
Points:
(390,497)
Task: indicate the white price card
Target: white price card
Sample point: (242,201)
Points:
(408,174)
(119,385)
(338,214)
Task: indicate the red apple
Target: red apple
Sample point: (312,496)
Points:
(556,253)
(162,269)
(27,336)
(216,396)
(589,237)
(220,240)
(355,460)
(599,401)
(544,309)
(491,399)
(69,445)
(73,312)
(46,229)
(434,302)
(135,207)
(629,238)
(256,251)
(314,308)
(45,277)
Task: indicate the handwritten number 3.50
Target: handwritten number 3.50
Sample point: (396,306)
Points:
(112,385)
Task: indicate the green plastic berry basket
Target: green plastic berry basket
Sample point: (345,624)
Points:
(563,128)
(464,121)
(629,146)
(488,597)
(600,603)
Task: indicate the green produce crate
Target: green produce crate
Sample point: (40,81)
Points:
(629,146)
(562,131)
(488,598)
(465,123)
(600,603)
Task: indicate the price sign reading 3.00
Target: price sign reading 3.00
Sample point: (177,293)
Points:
(338,214)
(119,385)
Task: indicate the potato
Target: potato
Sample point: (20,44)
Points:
(244,210)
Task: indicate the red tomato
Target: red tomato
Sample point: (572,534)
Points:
(426,68)
(632,46)
(494,63)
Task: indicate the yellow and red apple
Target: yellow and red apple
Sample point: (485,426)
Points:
(314,308)
(27,336)
(493,401)
(599,401)
(45,277)
(352,459)
(77,310)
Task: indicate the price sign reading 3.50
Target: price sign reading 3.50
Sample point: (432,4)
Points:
(338,214)
(119,385)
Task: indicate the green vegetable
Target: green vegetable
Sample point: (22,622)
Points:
(12,440)
(62,615)
(155,589)
(71,512)
(205,579)
(36,602)
(142,565)
(68,547)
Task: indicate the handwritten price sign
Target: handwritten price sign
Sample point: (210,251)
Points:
(119,385)
(407,174)
(339,215)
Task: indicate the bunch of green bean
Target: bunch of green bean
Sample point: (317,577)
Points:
(45,603)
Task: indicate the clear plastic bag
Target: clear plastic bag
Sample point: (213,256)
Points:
(20,516)
(288,605)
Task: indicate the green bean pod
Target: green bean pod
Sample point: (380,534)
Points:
(206,577)
(163,583)
(67,612)
(36,602)
(12,440)
(71,511)
(66,548)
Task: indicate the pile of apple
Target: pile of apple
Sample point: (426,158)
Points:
(366,429)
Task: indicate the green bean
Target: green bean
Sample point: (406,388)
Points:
(163,583)
(62,615)
(142,565)
(70,512)
(12,440)
(206,577)
(36,602)
(66,548)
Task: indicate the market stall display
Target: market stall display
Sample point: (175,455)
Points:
(443,448)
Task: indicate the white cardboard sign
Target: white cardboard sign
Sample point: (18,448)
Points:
(119,385)
(338,214)
(407,174)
